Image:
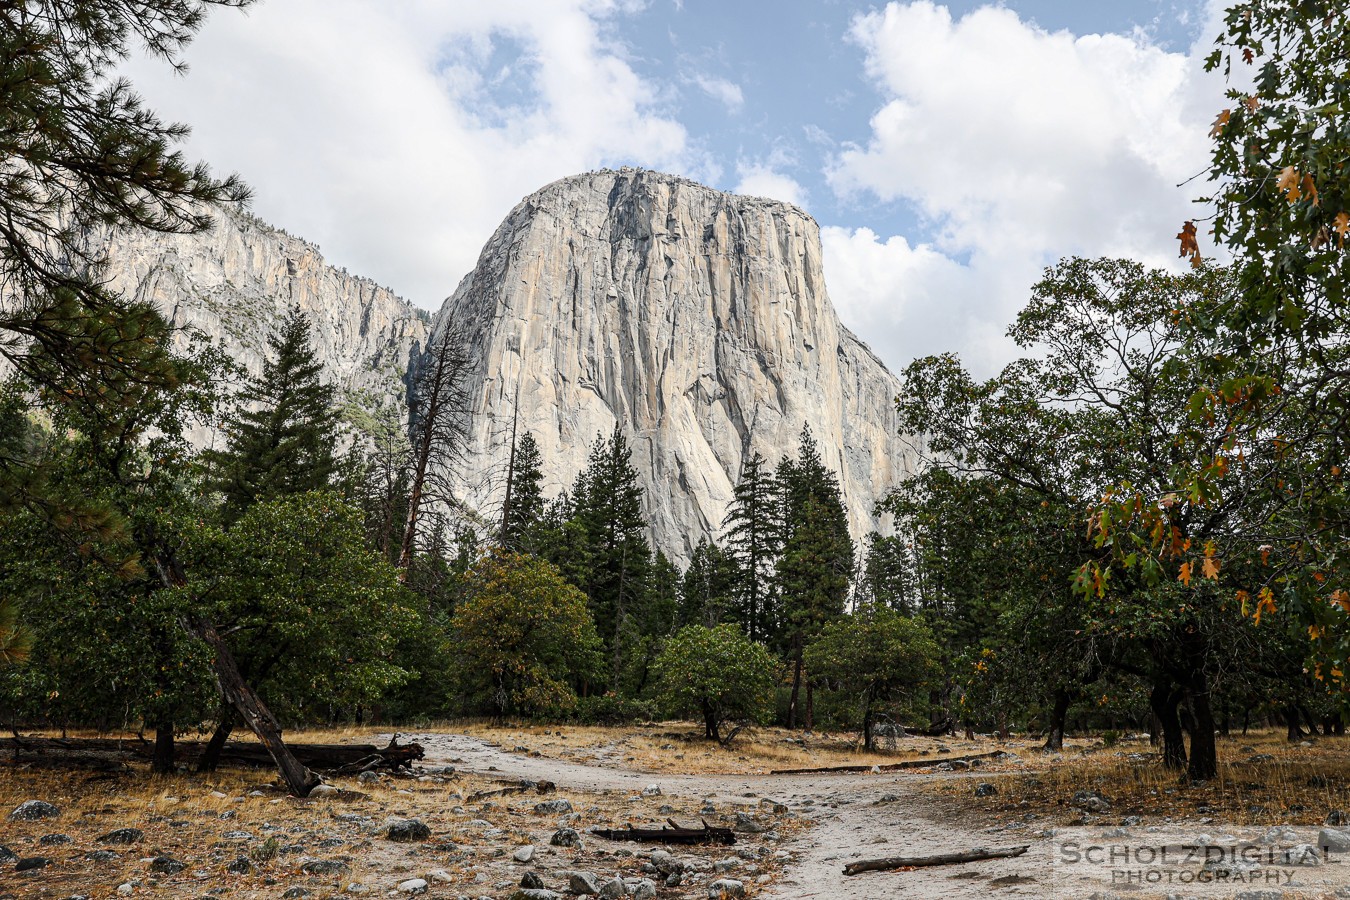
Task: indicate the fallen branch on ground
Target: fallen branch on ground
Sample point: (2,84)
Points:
(889,767)
(672,835)
(916,862)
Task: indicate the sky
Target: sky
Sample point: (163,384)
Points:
(949,151)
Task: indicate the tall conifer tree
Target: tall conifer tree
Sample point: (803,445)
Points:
(281,442)
(753,541)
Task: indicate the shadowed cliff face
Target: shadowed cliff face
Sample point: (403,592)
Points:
(696,320)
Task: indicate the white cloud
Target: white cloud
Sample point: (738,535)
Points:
(723,91)
(1017,146)
(379,131)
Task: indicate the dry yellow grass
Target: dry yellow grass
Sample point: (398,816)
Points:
(1296,785)
(680,748)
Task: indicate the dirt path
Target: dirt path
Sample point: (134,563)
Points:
(857,816)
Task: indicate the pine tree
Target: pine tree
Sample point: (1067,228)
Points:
(281,441)
(886,576)
(753,540)
(607,504)
(817,561)
(524,506)
(708,589)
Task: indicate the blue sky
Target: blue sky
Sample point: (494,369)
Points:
(948,150)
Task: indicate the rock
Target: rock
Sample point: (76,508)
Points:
(773,806)
(535,894)
(1090,801)
(368,777)
(242,865)
(32,863)
(985,789)
(531,880)
(413,886)
(167,865)
(666,863)
(644,888)
(322,791)
(1279,834)
(652,790)
(97,856)
(523,854)
(725,889)
(613,889)
(237,836)
(1336,817)
(125,888)
(717,307)
(582,883)
(123,836)
(440,876)
(1333,840)
(565,837)
(32,810)
(746,824)
(324,867)
(406,831)
(53,840)
(549,807)
(1302,855)
(295,893)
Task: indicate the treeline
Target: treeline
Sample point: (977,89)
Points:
(336,599)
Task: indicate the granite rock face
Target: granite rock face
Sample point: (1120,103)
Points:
(696,320)
(236,281)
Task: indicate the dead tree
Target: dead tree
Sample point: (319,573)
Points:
(441,406)
(890,863)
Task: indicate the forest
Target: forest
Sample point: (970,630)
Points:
(1140,524)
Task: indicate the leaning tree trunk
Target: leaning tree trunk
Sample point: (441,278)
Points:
(1164,700)
(250,707)
(1058,713)
(210,758)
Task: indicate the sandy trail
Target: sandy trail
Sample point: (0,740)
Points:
(857,816)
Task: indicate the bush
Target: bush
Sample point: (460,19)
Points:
(716,674)
(612,709)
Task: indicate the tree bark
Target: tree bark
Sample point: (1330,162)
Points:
(796,687)
(944,859)
(1058,713)
(1204,762)
(210,758)
(162,762)
(710,724)
(250,707)
(1294,733)
(1163,700)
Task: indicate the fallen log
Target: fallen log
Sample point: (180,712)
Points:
(889,767)
(944,859)
(672,835)
(524,787)
(327,757)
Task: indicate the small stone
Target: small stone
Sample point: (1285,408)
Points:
(985,789)
(440,876)
(531,880)
(406,831)
(535,894)
(773,806)
(726,889)
(613,889)
(52,840)
(666,863)
(167,865)
(324,867)
(320,791)
(237,836)
(1302,855)
(549,807)
(241,866)
(523,854)
(32,863)
(674,879)
(32,810)
(97,856)
(357,887)
(368,777)
(642,889)
(652,790)
(582,883)
(295,893)
(125,888)
(7,855)
(566,837)
(413,886)
(746,824)
(1336,817)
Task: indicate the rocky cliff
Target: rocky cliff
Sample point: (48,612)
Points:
(696,320)
(237,280)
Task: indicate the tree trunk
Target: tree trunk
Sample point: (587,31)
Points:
(210,758)
(1058,713)
(867,726)
(1204,762)
(162,762)
(250,707)
(1294,732)
(710,729)
(1163,700)
(796,687)
(810,705)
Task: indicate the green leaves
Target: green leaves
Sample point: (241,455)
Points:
(717,674)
